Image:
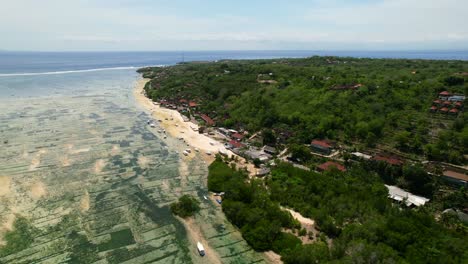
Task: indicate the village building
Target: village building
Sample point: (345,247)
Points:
(456,98)
(321,146)
(208,120)
(193,104)
(456,177)
(236,144)
(394,161)
(361,155)
(444,110)
(402,196)
(454,111)
(237,136)
(447,103)
(269,150)
(329,165)
(444,95)
(262,172)
(254,153)
(346,87)
(224,131)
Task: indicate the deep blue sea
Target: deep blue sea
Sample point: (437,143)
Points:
(25,63)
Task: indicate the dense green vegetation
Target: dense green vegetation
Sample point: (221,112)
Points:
(388,111)
(351,209)
(186,206)
(19,238)
(248,206)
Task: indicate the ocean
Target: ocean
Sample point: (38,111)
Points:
(90,178)
(52,62)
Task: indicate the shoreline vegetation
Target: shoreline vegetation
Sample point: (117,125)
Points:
(328,139)
(355,222)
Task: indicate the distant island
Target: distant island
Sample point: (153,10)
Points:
(371,152)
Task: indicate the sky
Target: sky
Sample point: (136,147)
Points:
(153,25)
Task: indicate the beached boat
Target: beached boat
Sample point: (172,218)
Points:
(201,249)
(185,153)
(204,196)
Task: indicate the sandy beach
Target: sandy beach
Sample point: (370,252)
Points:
(175,126)
(172,122)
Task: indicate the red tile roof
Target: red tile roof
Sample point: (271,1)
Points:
(321,143)
(330,164)
(447,103)
(236,144)
(458,104)
(183,100)
(437,101)
(207,120)
(389,160)
(237,136)
(444,93)
(444,109)
(454,110)
(434,108)
(456,175)
(193,104)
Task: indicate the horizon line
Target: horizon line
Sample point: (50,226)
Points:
(241,50)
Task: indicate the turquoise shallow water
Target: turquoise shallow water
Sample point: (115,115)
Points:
(78,161)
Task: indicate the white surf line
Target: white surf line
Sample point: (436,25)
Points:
(74,71)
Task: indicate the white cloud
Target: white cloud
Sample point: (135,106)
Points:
(86,24)
(396,20)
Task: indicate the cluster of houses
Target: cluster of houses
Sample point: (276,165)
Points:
(182,105)
(327,147)
(448,103)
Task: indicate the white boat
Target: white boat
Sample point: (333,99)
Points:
(188,150)
(152,125)
(197,150)
(201,249)
(185,153)
(208,153)
(204,196)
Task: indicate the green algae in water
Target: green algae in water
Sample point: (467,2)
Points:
(95,200)
(118,239)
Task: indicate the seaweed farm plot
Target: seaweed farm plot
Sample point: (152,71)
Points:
(84,179)
(75,171)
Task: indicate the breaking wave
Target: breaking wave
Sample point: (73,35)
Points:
(69,72)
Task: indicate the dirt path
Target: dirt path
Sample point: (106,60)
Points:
(195,235)
(272,257)
(306,223)
(5,184)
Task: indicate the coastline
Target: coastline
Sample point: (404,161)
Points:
(174,125)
